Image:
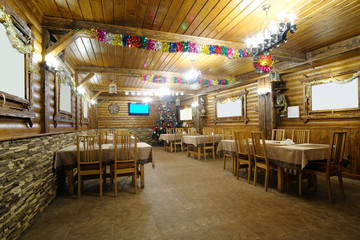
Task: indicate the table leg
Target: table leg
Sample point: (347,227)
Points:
(188,150)
(280,179)
(71,182)
(199,153)
(142,175)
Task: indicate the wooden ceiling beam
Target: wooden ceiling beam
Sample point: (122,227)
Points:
(119,90)
(62,43)
(70,25)
(96,95)
(138,72)
(86,79)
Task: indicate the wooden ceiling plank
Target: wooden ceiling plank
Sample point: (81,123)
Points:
(180,15)
(86,11)
(143,59)
(206,17)
(85,80)
(119,12)
(161,14)
(62,43)
(98,52)
(150,14)
(108,9)
(130,13)
(64,8)
(192,14)
(170,16)
(140,13)
(75,9)
(130,89)
(49,7)
(97,11)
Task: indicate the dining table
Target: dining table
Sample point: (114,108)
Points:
(66,159)
(168,139)
(196,141)
(284,156)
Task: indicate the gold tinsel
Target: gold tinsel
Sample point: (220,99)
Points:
(5,19)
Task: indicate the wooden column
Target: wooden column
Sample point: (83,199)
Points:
(77,103)
(45,91)
(267,120)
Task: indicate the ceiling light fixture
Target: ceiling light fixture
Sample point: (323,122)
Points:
(193,76)
(112,88)
(274,34)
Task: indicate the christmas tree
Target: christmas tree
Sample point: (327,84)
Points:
(166,118)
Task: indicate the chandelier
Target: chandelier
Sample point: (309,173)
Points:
(274,34)
(193,76)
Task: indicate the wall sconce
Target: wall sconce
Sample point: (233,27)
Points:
(81,90)
(112,88)
(263,91)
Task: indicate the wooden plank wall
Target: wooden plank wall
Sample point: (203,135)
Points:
(123,119)
(10,127)
(322,129)
(252,115)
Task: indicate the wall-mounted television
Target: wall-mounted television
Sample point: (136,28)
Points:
(138,109)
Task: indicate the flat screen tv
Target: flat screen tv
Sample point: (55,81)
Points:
(138,109)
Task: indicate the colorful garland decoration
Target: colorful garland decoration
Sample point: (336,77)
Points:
(5,19)
(179,80)
(263,63)
(171,47)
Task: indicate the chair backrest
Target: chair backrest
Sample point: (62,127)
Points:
(121,131)
(278,134)
(242,145)
(209,137)
(259,146)
(300,136)
(336,150)
(102,136)
(170,131)
(192,131)
(227,133)
(208,129)
(179,130)
(125,150)
(178,134)
(88,152)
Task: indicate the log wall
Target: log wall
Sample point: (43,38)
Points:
(321,129)
(123,120)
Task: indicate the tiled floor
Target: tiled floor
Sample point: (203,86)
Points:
(186,198)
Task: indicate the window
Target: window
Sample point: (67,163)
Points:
(15,91)
(231,108)
(12,67)
(332,98)
(65,98)
(85,109)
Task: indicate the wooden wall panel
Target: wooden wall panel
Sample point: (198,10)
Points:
(123,119)
(321,129)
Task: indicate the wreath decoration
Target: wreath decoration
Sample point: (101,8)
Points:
(263,63)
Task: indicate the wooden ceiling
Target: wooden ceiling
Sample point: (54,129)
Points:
(320,23)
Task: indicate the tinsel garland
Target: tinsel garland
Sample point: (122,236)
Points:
(172,47)
(179,80)
(5,19)
(263,63)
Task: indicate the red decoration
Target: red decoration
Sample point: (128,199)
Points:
(179,47)
(134,41)
(218,50)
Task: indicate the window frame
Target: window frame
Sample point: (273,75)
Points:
(61,115)
(243,118)
(13,106)
(83,120)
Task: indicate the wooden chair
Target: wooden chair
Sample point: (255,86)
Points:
(125,159)
(178,138)
(89,160)
(243,159)
(209,143)
(170,130)
(300,136)
(278,134)
(208,129)
(227,135)
(260,156)
(332,166)
(121,131)
(192,131)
